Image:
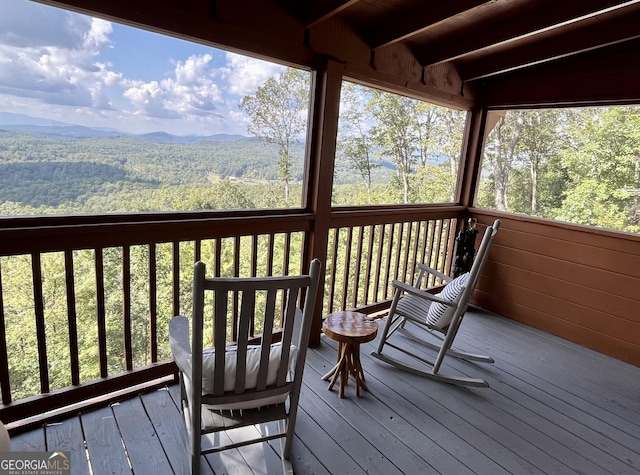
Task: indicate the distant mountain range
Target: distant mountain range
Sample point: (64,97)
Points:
(32,125)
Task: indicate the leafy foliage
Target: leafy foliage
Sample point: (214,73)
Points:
(398,146)
(578,165)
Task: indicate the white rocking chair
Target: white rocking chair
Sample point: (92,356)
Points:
(438,315)
(244,384)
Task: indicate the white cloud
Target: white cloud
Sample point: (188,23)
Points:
(48,54)
(190,91)
(57,64)
(26,24)
(244,75)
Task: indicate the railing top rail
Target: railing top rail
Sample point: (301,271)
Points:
(362,217)
(70,235)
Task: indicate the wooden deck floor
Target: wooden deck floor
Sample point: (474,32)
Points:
(553,407)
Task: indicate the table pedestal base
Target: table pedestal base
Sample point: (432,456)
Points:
(348,363)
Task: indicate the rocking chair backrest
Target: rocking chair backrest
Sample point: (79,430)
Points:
(242,373)
(478,264)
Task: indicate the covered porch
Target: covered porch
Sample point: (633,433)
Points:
(552,407)
(563,394)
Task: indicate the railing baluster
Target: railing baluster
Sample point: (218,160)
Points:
(368,264)
(398,251)
(218,257)
(358,261)
(72,317)
(334,266)
(270,251)
(5,383)
(287,253)
(236,273)
(436,264)
(387,267)
(407,246)
(254,256)
(197,250)
(347,268)
(253,270)
(425,241)
(126,307)
(236,256)
(100,305)
(176,278)
(449,254)
(38,301)
(153,303)
(376,279)
(414,253)
(429,258)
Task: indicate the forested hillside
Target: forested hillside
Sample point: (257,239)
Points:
(51,171)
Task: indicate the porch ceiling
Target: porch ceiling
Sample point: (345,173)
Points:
(482,39)
(485,43)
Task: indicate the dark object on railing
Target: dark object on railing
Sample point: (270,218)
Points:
(465,248)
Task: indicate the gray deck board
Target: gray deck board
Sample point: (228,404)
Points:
(139,437)
(66,436)
(549,443)
(596,433)
(458,429)
(32,441)
(107,456)
(552,407)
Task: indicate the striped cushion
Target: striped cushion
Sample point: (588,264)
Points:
(440,315)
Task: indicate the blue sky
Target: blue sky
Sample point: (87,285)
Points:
(63,66)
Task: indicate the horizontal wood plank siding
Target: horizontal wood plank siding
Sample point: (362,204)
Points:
(572,281)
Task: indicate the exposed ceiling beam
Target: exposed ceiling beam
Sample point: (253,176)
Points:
(584,36)
(593,77)
(406,24)
(523,23)
(315,11)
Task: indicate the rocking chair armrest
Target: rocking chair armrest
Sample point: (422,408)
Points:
(432,271)
(423,294)
(179,342)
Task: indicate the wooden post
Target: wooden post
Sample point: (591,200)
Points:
(472,156)
(321,151)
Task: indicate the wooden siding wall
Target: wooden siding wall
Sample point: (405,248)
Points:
(572,281)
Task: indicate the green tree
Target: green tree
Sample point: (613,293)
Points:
(603,167)
(278,113)
(396,132)
(354,142)
(500,152)
(537,147)
(448,131)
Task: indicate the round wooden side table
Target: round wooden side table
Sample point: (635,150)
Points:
(349,329)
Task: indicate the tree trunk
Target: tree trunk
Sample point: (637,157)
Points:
(534,186)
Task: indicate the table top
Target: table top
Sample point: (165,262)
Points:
(349,327)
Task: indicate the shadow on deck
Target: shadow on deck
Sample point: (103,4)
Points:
(552,407)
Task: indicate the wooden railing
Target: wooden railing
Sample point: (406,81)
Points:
(85,301)
(362,260)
